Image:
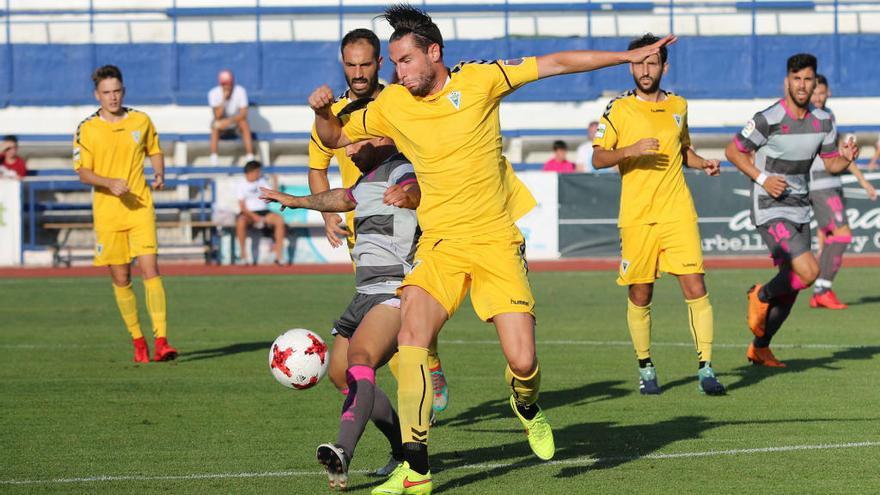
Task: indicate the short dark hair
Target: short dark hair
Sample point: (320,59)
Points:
(406,19)
(106,72)
(362,34)
(559,145)
(647,40)
(821,79)
(801,61)
(11,138)
(252,165)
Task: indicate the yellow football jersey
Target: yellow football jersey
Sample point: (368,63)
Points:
(453,139)
(519,199)
(654,189)
(118,150)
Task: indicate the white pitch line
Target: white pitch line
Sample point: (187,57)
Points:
(595,343)
(468,467)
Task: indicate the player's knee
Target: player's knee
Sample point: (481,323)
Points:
(523,364)
(121,280)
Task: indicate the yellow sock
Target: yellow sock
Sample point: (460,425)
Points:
(156,305)
(414,394)
(638,319)
(128,308)
(700,320)
(525,389)
(433,357)
(393,365)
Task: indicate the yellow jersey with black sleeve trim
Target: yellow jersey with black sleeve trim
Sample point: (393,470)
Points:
(453,139)
(320,155)
(653,186)
(118,150)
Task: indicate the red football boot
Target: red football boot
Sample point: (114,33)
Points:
(163,351)
(828,300)
(141,351)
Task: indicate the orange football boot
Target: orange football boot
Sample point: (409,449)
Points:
(763,356)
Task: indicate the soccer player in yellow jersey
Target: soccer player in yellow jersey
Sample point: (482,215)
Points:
(109,150)
(645,133)
(361,60)
(446,122)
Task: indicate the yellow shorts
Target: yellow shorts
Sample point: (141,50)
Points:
(493,267)
(121,246)
(646,250)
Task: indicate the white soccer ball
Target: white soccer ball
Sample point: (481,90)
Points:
(298,358)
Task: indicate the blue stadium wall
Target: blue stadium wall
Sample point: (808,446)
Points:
(286,72)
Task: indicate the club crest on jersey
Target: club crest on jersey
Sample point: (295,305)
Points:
(137,136)
(455,98)
(748,129)
(677,119)
(624,264)
(99,248)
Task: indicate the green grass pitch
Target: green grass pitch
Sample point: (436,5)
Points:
(78,416)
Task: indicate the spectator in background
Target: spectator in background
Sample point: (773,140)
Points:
(229,103)
(12,165)
(254,212)
(872,165)
(559,162)
(584,158)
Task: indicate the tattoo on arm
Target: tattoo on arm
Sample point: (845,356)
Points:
(334,200)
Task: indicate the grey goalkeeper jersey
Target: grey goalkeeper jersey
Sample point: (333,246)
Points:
(385,236)
(786,146)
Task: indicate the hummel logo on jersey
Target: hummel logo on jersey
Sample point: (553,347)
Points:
(658,110)
(455,98)
(677,119)
(137,136)
(519,302)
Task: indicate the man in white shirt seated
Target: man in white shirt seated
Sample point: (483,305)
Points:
(254,212)
(229,102)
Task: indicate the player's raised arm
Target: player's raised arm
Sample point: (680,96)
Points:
(328,127)
(334,200)
(570,62)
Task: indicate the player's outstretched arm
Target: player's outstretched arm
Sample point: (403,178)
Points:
(773,184)
(570,62)
(333,227)
(867,186)
(334,200)
(328,127)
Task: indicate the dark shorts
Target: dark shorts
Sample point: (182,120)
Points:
(359,306)
(785,239)
(829,209)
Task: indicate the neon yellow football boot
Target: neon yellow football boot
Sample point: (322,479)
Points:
(405,481)
(539,432)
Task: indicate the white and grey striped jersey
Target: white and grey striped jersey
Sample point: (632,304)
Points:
(386,236)
(786,146)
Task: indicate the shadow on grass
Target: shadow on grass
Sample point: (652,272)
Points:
(500,408)
(583,448)
(866,300)
(751,375)
(225,351)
